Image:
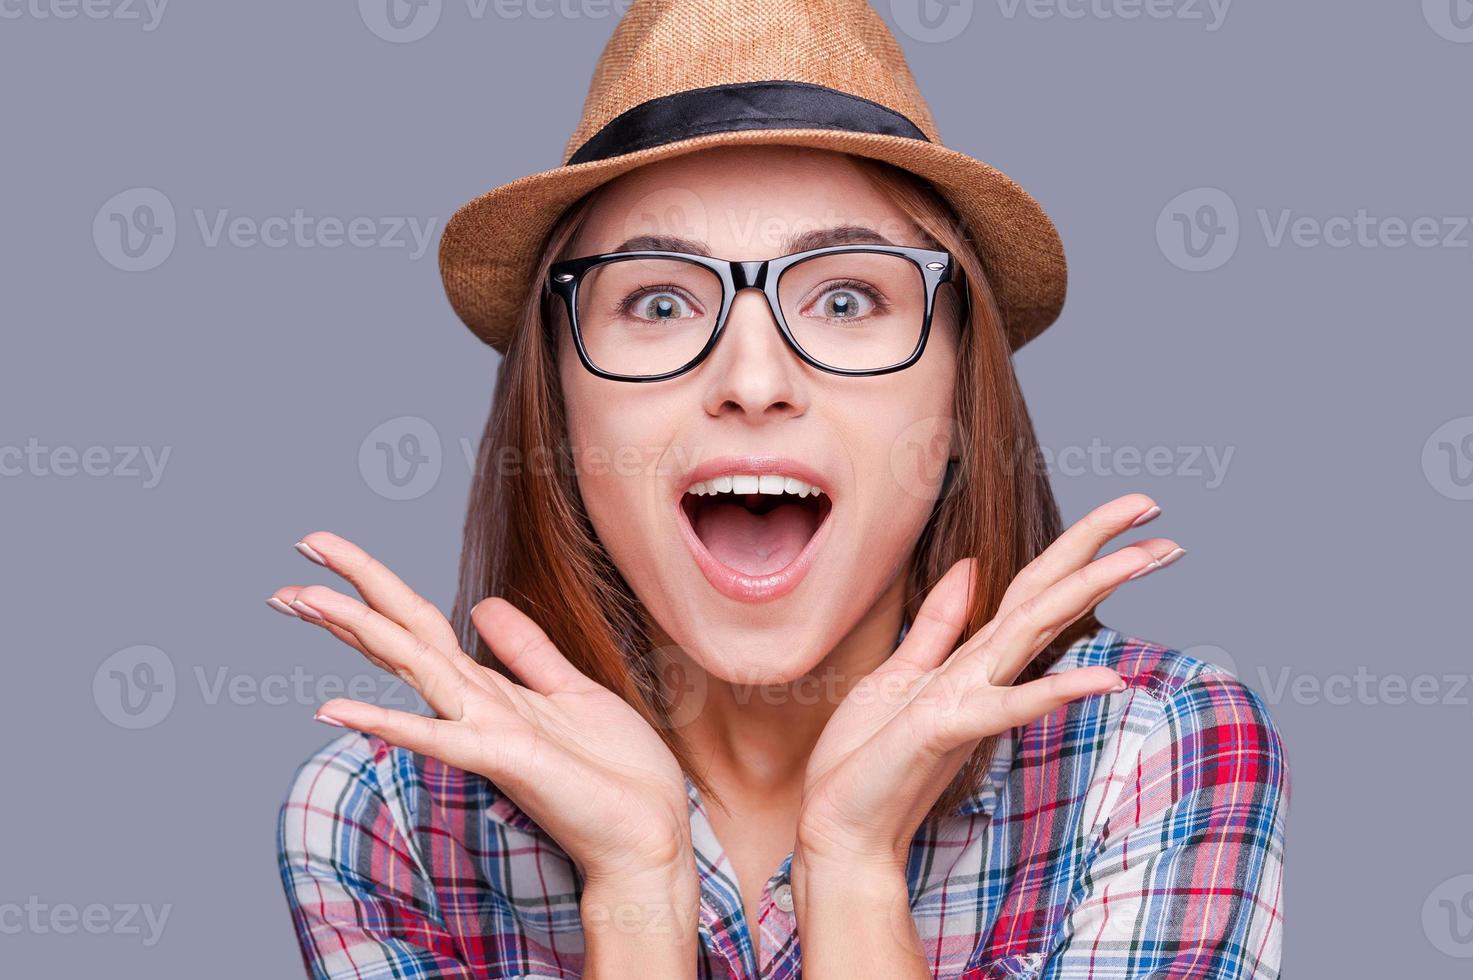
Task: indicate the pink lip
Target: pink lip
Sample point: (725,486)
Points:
(727,580)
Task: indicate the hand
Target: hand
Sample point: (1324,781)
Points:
(575,757)
(904,731)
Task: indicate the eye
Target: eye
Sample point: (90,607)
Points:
(656,303)
(847,299)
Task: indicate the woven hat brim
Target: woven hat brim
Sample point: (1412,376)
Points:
(491,244)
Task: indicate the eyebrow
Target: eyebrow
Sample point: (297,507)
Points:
(801,242)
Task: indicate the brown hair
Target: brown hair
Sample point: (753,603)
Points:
(528,538)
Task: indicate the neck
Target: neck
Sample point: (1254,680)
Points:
(757,737)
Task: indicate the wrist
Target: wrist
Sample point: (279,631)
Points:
(642,923)
(824,855)
(651,918)
(875,881)
(673,867)
(855,913)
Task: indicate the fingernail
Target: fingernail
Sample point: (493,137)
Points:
(310,553)
(1150,514)
(1135,575)
(1119,685)
(306,611)
(1172,557)
(281,607)
(328,720)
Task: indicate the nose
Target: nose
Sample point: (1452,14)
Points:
(753,373)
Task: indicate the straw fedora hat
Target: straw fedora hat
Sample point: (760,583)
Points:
(679,76)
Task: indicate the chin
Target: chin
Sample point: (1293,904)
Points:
(741,656)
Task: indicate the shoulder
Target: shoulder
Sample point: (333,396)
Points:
(360,786)
(1160,810)
(350,767)
(341,790)
(1184,713)
(1164,680)
(355,785)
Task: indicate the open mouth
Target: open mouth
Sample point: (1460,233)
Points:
(754,534)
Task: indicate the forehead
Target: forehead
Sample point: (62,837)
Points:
(743,202)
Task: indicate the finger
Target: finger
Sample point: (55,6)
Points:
(521,644)
(380,588)
(1162,548)
(940,621)
(450,742)
(428,670)
(281,600)
(1009,707)
(486,680)
(1077,545)
(1034,623)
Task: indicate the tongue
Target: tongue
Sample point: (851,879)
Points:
(754,544)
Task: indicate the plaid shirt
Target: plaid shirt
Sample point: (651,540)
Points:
(1137,834)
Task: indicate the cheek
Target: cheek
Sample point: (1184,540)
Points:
(897,434)
(611,453)
(912,437)
(616,433)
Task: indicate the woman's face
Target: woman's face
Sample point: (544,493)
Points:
(758,589)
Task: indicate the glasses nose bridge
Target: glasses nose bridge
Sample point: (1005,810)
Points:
(745,274)
(753,275)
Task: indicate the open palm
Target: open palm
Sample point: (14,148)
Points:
(582,763)
(903,731)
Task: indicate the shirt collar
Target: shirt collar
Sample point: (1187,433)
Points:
(984,800)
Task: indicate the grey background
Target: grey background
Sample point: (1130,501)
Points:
(1336,538)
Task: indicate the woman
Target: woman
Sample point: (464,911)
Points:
(769,651)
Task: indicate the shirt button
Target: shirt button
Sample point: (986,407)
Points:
(783,896)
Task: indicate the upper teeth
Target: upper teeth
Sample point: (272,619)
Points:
(754,483)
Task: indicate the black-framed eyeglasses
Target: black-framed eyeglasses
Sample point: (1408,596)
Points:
(856,310)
